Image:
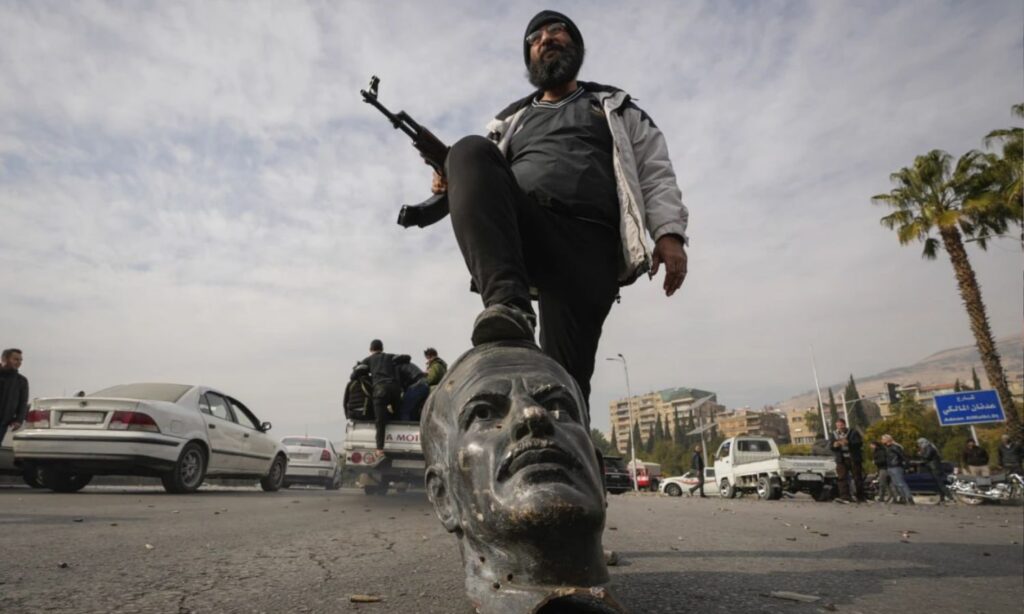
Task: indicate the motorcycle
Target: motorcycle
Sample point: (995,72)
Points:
(974,490)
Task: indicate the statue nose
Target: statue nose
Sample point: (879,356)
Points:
(533,420)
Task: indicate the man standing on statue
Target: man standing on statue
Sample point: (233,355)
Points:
(559,200)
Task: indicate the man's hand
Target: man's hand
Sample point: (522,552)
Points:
(669,249)
(440,184)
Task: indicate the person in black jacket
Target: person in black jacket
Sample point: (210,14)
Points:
(974,460)
(895,460)
(697,463)
(13,392)
(848,448)
(885,489)
(933,464)
(415,390)
(1010,455)
(386,391)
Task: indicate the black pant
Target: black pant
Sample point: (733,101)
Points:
(940,480)
(384,394)
(700,483)
(844,468)
(511,243)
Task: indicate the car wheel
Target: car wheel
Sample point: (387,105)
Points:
(59,480)
(673,490)
(189,470)
(727,490)
(33,476)
(774,489)
(272,481)
(334,484)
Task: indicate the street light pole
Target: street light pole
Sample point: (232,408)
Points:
(817,386)
(629,409)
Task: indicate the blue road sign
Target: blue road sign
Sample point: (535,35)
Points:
(969,407)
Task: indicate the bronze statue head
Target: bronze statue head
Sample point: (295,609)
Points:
(512,472)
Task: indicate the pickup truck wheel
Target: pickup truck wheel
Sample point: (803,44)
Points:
(673,490)
(774,489)
(764,488)
(727,490)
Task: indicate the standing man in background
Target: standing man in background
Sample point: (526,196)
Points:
(848,448)
(13,392)
(1010,455)
(697,464)
(562,197)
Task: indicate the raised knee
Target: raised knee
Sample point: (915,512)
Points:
(469,148)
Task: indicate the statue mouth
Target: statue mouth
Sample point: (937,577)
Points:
(537,453)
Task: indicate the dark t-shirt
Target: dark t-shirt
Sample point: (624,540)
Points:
(561,154)
(382,368)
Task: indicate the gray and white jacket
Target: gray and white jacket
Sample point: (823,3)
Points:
(650,202)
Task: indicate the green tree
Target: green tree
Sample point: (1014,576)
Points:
(957,386)
(936,196)
(833,412)
(637,441)
(603,445)
(858,417)
(613,441)
(659,430)
(1004,168)
(813,421)
(678,432)
(975,380)
(651,441)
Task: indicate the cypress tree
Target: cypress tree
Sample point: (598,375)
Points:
(637,441)
(614,441)
(975,379)
(858,419)
(649,446)
(956,386)
(659,431)
(678,436)
(833,414)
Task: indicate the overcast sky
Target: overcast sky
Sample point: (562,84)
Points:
(194,192)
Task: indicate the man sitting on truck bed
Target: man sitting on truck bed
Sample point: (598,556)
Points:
(385,387)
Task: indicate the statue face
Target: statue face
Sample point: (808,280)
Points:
(520,456)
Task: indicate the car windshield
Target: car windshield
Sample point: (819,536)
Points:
(145,392)
(304,441)
(614,464)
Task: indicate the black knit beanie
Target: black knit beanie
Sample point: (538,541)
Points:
(543,18)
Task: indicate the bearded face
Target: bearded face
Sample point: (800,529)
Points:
(555,64)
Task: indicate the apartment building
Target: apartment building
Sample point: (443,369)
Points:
(669,405)
(796,422)
(759,423)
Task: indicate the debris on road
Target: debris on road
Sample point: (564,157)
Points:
(365,599)
(150,546)
(62,565)
(790,596)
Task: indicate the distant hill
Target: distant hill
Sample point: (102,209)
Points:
(943,367)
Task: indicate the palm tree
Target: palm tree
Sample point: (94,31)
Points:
(932,196)
(1005,199)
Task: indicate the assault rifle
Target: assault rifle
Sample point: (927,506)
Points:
(433,151)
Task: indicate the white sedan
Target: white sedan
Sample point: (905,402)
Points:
(177,432)
(312,460)
(676,486)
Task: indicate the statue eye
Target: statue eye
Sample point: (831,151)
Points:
(561,411)
(483,412)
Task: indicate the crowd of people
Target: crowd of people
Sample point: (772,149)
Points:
(387,386)
(891,462)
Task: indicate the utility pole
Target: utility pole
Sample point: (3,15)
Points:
(817,386)
(629,407)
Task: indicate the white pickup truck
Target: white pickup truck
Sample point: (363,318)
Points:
(403,463)
(744,464)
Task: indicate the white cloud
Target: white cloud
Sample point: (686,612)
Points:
(195,191)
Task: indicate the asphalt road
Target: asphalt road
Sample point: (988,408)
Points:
(239,550)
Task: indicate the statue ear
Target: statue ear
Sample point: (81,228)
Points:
(437,492)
